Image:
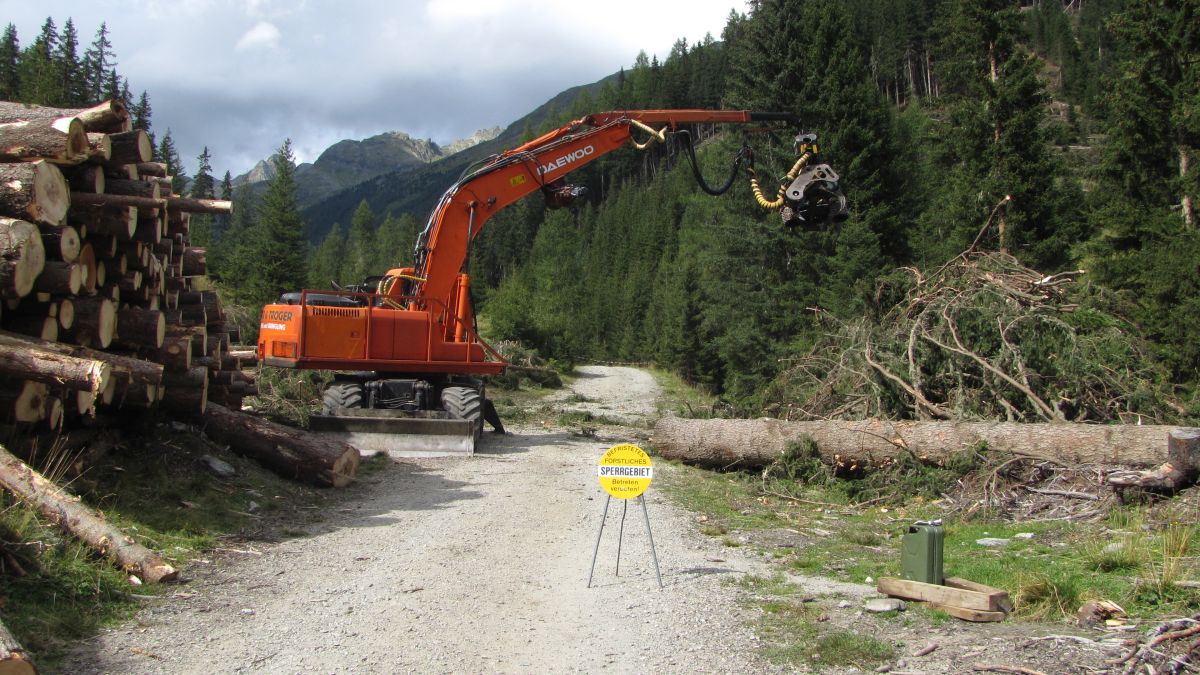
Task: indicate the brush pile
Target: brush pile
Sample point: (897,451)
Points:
(981,338)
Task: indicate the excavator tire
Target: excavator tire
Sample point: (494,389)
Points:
(342,395)
(465,403)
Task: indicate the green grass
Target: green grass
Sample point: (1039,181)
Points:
(1125,560)
(157,492)
(795,636)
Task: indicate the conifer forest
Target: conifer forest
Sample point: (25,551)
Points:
(1022,243)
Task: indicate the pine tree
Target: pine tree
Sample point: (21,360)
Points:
(220,222)
(360,245)
(276,242)
(10,55)
(327,259)
(167,154)
(72,90)
(141,114)
(202,188)
(99,66)
(39,82)
(995,144)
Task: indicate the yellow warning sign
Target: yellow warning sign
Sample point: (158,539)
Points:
(625,471)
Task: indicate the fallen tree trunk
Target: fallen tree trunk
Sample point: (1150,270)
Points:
(294,453)
(66,511)
(1180,471)
(109,117)
(12,656)
(758,442)
(213,206)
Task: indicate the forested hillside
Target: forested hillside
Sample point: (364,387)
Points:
(1060,134)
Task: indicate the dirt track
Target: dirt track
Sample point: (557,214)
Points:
(454,565)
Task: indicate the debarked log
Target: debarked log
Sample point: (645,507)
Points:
(758,442)
(66,511)
(294,453)
(12,657)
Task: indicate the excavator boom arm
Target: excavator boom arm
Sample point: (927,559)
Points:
(505,178)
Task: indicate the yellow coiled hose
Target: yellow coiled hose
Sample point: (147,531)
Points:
(791,176)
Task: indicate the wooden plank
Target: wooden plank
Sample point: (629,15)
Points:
(1000,600)
(916,590)
(976,615)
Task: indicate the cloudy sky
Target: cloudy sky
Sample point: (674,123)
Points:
(240,76)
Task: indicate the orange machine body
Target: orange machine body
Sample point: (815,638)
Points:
(420,320)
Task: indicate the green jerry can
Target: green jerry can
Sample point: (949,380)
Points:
(921,552)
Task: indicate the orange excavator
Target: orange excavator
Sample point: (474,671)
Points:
(408,357)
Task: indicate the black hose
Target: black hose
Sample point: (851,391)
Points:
(691,151)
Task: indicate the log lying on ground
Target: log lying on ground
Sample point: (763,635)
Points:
(67,512)
(1180,471)
(12,656)
(34,191)
(293,453)
(753,443)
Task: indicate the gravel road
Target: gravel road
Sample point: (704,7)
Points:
(457,565)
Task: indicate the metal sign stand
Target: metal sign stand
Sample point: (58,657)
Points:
(621,536)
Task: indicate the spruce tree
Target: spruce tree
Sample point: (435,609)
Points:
(360,246)
(10,55)
(39,82)
(276,242)
(327,260)
(202,188)
(72,89)
(99,66)
(167,154)
(220,222)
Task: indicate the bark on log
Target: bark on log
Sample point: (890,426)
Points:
(248,357)
(1180,471)
(290,452)
(12,657)
(41,327)
(131,147)
(69,513)
(133,188)
(137,328)
(149,228)
(61,278)
(55,369)
(35,191)
(753,443)
(109,117)
(186,392)
(194,262)
(109,199)
(157,169)
(86,178)
(175,354)
(141,371)
(213,206)
(95,321)
(61,242)
(119,222)
(22,258)
(61,141)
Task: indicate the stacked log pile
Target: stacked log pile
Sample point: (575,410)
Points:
(97,267)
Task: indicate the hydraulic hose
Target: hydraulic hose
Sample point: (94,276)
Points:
(791,176)
(716,192)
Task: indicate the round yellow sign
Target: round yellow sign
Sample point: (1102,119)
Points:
(625,471)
